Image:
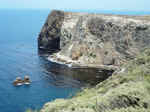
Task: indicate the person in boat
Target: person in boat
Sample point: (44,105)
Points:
(27,80)
(18,81)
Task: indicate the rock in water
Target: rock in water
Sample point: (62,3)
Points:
(93,40)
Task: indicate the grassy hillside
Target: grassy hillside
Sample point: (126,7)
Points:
(125,91)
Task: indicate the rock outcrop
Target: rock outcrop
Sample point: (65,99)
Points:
(93,40)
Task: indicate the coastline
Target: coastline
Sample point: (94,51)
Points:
(73,64)
(126,91)
(114,44)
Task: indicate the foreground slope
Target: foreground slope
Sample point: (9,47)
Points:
(124,91)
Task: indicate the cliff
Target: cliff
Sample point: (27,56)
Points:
(108,42)
(93,40)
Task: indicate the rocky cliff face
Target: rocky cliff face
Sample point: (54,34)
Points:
(93,40)
(104,42)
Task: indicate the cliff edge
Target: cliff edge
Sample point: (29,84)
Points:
(93,40)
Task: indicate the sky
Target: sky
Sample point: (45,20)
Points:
(121,5)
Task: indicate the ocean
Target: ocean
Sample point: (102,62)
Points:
(19,30)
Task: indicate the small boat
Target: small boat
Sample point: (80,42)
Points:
(27,80)
(18,81)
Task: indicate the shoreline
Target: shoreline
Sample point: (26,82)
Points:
(74,64)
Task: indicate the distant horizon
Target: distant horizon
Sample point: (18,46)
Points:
(119,12)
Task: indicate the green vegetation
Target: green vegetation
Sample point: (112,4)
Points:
(127,91)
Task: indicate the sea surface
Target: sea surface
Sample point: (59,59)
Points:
(18,57)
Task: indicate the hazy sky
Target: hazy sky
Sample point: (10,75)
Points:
(132,5)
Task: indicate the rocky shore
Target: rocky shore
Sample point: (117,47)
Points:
(107,42)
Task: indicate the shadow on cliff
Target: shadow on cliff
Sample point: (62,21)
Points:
(49,37)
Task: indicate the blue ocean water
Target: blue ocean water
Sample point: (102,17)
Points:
(18,57)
